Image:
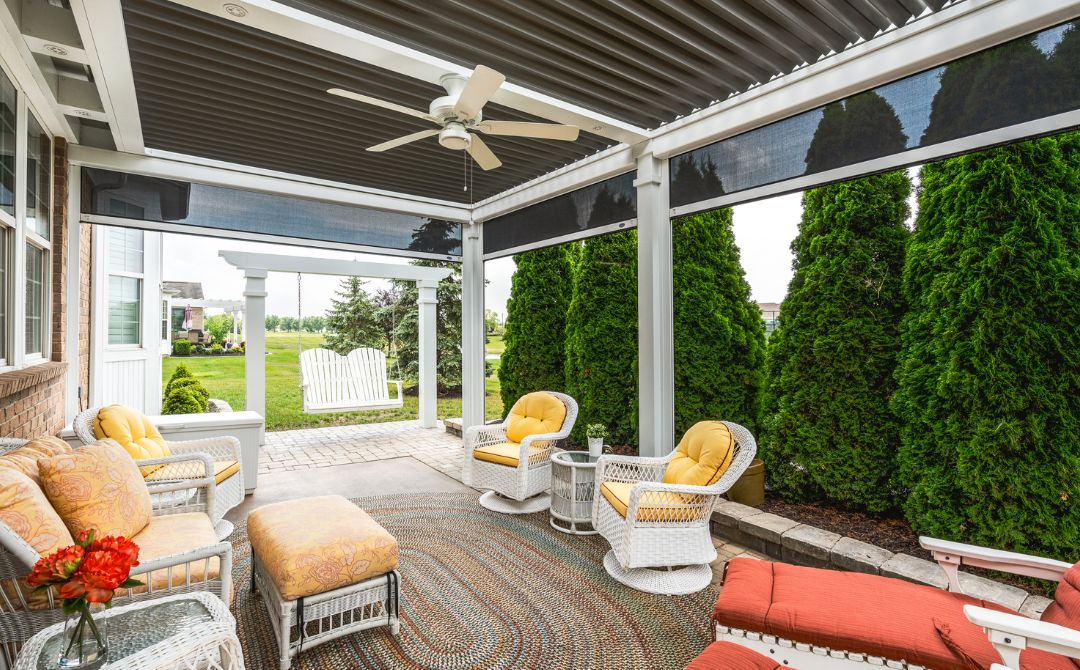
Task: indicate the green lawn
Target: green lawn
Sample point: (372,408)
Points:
(495,345)
(224,378)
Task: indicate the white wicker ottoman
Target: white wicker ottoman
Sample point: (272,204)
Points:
(325,569)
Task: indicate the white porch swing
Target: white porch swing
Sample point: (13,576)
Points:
(352,383)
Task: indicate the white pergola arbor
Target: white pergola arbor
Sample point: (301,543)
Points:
(256,267)
(935,38)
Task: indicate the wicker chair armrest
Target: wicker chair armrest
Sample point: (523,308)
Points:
(1012,633)
(653,503)
(480,436)
(219,550)
(202,464)
(614,468)
(222,447)
(83,425)
(530,440)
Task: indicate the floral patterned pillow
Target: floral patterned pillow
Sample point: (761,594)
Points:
(97,486)
(24,509)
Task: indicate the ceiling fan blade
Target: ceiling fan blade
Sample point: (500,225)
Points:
(405,140)
(367,99)
(482,154)
(546,131)
(481,86)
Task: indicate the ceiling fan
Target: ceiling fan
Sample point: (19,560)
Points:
(459,115)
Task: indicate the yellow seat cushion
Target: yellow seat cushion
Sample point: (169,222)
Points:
(535,414)
(703,456)
(97,486)
(25,458)
(506,453)
(26,510)
(176,534)
(660,506)
(315,545)
(192,470)
(133,431)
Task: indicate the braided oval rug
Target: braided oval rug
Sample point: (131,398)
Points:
(482,590)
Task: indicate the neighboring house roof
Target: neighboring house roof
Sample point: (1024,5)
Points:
(769,306)
(191,290)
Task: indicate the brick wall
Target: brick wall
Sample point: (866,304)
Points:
(32,399)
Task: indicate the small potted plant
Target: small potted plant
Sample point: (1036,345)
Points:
(596,432)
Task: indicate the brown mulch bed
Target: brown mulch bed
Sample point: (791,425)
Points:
(894,534)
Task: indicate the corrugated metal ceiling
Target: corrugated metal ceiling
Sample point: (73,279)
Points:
(222,90)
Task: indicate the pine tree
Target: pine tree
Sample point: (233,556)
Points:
(447,328)
(535,335)
(601,337)
(719,334)
(989,376)
(829,431)
(351,319)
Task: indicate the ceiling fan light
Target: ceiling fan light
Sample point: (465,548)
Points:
(455,137)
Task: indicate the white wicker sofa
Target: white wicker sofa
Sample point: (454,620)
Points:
(200,566)
(518,481)
(223,451)
(664,525)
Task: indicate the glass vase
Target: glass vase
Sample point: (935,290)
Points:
(86,640)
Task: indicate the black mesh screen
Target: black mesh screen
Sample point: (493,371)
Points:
(604,203)
(134,196)
(1019,81)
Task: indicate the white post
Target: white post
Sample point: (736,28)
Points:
(72,393)
(255,352)
(427,304)
(472,326)
(656,347)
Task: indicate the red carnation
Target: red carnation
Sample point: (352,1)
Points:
(100,573)
(120,545)
(56,567)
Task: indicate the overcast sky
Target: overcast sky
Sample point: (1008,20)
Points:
(763,231)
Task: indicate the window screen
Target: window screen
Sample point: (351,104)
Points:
(131,196)
(35,298)
(1019,81)
(595,206)
(7,145)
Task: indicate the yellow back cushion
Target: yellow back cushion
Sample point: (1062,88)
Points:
(26,510)
(97,486)
(534,414)
(25,458)
(133,431)
(703,455)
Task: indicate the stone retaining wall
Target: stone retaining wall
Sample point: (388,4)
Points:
(801,544)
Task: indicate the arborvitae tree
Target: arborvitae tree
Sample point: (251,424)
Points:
(447,328)
(989,376)
(351,319)
(829,430)
(719,334)
(860,128)
(601,337)
(535,334)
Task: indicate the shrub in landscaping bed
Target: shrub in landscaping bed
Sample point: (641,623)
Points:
(829,432)
(182,389)
(719,334)
(601,336)
(989,375)
(535,336)
(182,401)
(181,348)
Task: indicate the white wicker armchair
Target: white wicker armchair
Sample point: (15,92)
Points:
(665,525)
(229,493)
(21,613)
(516,489)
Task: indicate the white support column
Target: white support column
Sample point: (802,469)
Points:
(73,300)
(472,326)
(427,305)
(656,348)
(255,351)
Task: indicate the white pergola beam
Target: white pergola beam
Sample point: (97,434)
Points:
(294,24)
(16,54)
(56,49)
(101,25)
(332,266)
(259,181)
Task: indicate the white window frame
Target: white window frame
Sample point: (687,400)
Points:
(18,237)
(111,272)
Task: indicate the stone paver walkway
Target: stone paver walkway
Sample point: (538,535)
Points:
(306,449)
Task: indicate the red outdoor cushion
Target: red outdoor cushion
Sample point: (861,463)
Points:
(1065,610)
(862,613)
(730,656)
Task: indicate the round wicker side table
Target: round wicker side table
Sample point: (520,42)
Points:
(573,476)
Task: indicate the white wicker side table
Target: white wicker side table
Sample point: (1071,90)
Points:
(181,632)
(573,476)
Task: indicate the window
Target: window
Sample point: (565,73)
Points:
(165,319)
(35,300)
(125,270)
(177,318)
(8,99)
(38,178)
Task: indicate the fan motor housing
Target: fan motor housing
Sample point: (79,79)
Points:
(454,136)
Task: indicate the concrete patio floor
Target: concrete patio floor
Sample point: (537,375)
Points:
(375,459)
